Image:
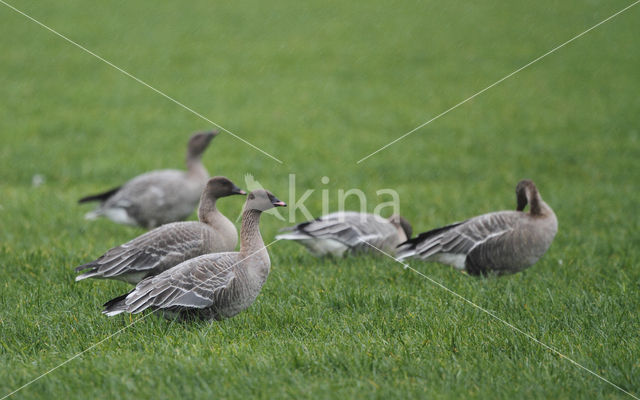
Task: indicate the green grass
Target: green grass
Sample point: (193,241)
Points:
(320,85)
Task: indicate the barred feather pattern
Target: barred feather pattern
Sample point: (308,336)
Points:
(211,286)
(155,252)
(498,243)
(345,232)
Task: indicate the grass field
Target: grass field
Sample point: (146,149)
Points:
(320,85)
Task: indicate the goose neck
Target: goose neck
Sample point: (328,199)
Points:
(250,238)
(195,167)
(537,206)
(208,212)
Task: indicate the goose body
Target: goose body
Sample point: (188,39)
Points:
(349,232)
(211,286)
(157,197)
(502,242)
(169,245)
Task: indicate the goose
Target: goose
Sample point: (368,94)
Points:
(169,245)
(503,242)
(211,286)
(345,232)
(157,197)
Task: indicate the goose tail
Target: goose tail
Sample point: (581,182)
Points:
(89,270)
(115,306)
(100,196)
(292,236)
(405,250)
(91,215)
(408,248)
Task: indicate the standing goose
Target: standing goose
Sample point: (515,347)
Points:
(212,286)
(502,242)
(157,197)
(171,244)
(349,232)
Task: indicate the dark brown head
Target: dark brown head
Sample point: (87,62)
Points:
(262,200)
(198,143)
(527,193)
(402,223)
(219,186)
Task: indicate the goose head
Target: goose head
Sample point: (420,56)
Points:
(262,200)
(199,142)
(527,193)
(402,225)
(219,186)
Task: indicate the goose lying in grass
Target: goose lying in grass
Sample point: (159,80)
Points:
(502,242)
(157,197)
(349,232)
(171,244)
(212,286)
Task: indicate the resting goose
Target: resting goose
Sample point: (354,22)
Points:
(502,242)
(157,197)
(212,286)
(349,232)
(169,245)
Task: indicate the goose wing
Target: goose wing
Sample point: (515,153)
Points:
(150,253)
(349,228)
(152,188)
(460,238)
(195,283)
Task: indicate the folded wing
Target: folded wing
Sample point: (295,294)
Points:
(149,254)
(351,229)
(194,284)
(456,241)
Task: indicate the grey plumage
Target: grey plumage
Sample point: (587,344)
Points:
(498,243)
(212,286)
(157,197)
(168,245)
(349,232)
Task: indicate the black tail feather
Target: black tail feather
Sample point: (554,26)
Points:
(100,196)
(86,266)
(300,227)
(115,303)
(426,235)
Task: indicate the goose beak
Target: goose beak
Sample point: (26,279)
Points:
(210,135)
(278,203)
(522,203)
(237,190)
